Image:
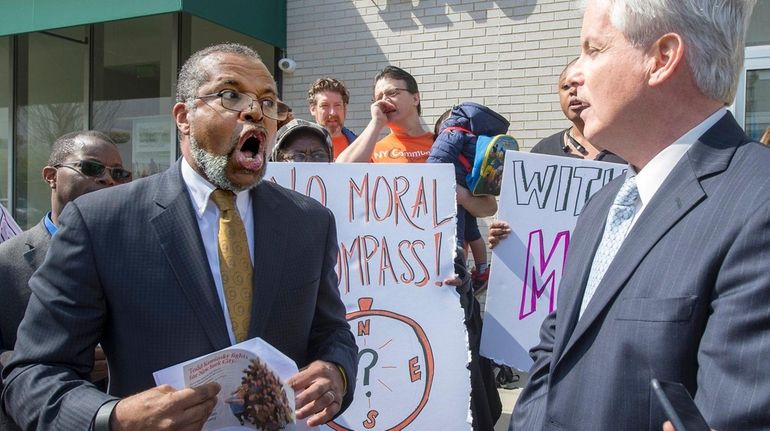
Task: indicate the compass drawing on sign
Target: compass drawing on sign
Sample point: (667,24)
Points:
(395,371)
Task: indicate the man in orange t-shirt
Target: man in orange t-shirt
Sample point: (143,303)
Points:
(328,99)
(396,148)
(397,106)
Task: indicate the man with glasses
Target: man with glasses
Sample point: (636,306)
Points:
(396,104)
(79,163)
(184,263)
(302,141)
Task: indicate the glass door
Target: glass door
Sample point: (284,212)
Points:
(752,102)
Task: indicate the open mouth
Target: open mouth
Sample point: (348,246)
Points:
(249,155)
(577,105)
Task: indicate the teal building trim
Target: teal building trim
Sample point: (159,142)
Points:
(262,19)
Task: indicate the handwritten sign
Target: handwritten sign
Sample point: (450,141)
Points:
(541,198)
(8,226)
(396,234)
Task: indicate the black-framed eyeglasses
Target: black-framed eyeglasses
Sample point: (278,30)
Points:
(239,102)
(315,156)
(94,169)
(390,93)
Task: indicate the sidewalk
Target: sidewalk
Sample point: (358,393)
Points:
(508,397)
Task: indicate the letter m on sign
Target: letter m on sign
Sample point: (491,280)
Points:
(541,270)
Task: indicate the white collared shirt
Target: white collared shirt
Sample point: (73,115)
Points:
(207,214)
(649,179)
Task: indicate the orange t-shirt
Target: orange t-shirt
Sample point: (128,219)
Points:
(339,143)
(402,148)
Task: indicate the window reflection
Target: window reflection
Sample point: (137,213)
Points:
(52,77)
(757,102)
(5,116)
(760,22)
(133,90)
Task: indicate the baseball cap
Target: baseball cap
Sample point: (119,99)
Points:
(294,126)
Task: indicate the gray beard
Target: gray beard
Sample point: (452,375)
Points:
(214,166)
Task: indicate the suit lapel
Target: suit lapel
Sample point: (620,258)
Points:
(177,229)
(677,196)
(38,242)
(271,223)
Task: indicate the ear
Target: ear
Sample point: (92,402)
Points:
(180,112)
(49,175)
(416,98)
(312,109)
(665,56)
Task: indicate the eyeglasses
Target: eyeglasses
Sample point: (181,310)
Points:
(94,169)
(239,102)
(315,156)
(390,93)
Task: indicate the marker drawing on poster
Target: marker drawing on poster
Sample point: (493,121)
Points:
(396,235)
(541,198)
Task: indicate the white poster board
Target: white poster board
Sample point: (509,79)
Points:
(396,233)
(541,199)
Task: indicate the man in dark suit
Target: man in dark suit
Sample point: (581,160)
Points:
(149,270)
(674,284)
(79,163)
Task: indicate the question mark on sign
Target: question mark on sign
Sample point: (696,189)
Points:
(368,368)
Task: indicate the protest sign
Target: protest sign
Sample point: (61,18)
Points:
(541,198)
(396,234)
(8,226)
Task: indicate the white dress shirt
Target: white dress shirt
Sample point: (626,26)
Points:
(207,214)
(649,179)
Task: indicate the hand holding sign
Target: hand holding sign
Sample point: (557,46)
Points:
(498,231)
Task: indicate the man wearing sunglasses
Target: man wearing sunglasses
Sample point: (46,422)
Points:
(184,263)
(79,163)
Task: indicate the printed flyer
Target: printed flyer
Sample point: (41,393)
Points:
(254,393)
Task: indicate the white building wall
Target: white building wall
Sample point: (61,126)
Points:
(506,54)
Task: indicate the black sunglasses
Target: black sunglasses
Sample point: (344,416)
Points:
(94,169)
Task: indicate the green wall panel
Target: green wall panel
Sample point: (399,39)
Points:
(261,19)
(23,16)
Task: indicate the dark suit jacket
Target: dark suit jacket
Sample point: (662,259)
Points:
(127,268)
(685,299)
(20,256)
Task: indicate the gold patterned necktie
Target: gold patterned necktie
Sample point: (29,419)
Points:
(234,262)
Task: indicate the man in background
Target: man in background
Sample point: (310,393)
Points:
(79,163)
(328,101)
(396,106)
(302,141)
(571,142)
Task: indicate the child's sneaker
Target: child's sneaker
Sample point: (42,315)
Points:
(479,279)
